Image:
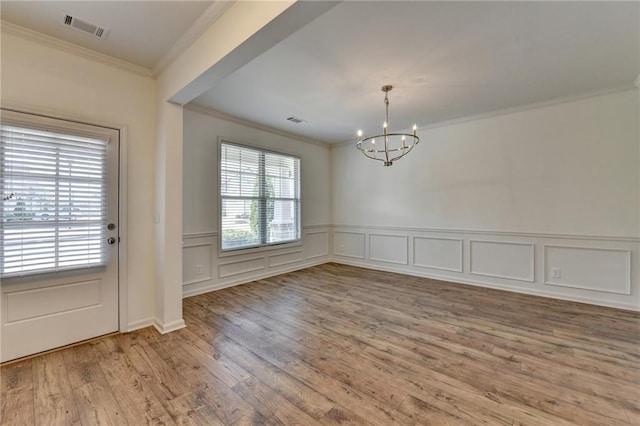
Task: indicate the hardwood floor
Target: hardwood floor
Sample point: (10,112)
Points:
(336,344)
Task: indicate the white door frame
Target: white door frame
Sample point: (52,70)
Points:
(123,285)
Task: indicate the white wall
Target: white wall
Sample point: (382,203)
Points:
(38,77)
(200,205)
(501,201)
(569,168)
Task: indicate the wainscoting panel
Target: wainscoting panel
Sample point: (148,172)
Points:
(349,244)
(285,258)
(600,270)
(238,267)
(389,248)
(606,270)
(438,253)
(498,259)
(317,244)
(198,257)
(220,270)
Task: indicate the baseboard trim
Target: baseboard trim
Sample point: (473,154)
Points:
(137,325)
(154,322)
(167,328)
(484,284)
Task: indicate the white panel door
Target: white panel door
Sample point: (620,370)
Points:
(58,233)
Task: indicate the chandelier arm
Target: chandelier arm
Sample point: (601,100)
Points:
(386,148)
(373,157)
(386,125)
(409,137)
(404,153)
(406,145)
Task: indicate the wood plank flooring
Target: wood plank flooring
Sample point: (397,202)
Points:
(335,344)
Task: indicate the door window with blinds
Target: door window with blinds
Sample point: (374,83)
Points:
(53,200)
(259,197)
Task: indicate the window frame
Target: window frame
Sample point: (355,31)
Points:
(256,247)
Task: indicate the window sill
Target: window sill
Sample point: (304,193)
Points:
(250,250)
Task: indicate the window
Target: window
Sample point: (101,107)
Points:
(53,200)
(259,197)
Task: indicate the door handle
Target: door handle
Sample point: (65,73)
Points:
(111,240)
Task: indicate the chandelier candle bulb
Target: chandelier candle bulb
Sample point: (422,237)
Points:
(396,145)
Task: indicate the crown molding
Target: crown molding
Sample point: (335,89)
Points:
(527,107)
(223,116)
(211,15)
(522,108)
(28,34)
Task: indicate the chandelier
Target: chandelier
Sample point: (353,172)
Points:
(387,147)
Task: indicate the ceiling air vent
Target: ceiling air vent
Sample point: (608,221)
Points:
(85,26)
(295,120)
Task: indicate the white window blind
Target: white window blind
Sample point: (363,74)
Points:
(53,201)
(260,197)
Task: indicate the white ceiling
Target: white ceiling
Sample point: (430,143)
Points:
(447,60)
(141,31)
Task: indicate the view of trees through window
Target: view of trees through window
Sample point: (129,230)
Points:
(260,197)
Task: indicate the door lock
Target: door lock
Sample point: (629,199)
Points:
(111,226)
(111,240)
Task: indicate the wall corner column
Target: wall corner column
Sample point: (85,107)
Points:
(168,218)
